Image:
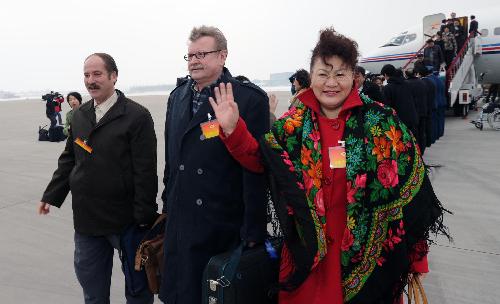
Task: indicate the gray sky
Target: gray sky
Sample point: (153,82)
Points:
(43,43)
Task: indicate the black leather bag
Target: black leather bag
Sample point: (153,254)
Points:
(56,134)
(43,134)
(243,276)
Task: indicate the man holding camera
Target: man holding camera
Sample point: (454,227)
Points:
(50,107)
(109,165)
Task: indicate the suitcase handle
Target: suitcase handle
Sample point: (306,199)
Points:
(229,271)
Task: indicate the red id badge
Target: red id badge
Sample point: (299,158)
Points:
(210,129)
(337,157)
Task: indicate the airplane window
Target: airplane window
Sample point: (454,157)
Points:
(395,41)
(409,38)
(484,33)
(496,31)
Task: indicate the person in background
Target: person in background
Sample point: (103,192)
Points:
(397,94)
(378,80)
(273,103)
(440,105)
(431,89)
(443,25)
(74,100)
(433,56)
(59,100)
(330,207)
(50,110)
(459,33)
(492,92)
(419,92)
(419,62)
(474,26)
(450,47)
(365,86)
(438,40)
(301,82)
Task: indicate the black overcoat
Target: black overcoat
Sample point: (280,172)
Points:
(116,184)
(211,201)
(397,94)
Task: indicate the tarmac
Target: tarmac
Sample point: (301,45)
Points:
(36,255)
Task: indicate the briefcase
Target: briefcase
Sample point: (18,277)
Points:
(243,276)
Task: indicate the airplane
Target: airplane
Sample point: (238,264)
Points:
(478,62)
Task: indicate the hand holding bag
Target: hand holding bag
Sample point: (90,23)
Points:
(243,276)
(149,254)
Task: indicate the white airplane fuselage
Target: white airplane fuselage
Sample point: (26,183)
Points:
(487,64)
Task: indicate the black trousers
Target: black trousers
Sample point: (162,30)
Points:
(93,266)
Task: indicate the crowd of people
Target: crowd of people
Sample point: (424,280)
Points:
(353,198)
(441,49)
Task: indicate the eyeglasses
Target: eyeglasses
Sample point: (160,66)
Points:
(198,55)
(339,75)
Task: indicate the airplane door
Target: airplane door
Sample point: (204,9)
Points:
(431,25)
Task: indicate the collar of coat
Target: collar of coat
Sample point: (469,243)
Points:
(116,111)
(384,173)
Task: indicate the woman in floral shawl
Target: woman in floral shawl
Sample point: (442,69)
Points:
(353,198)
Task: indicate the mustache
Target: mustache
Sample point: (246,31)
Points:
(93,86)
(196,66)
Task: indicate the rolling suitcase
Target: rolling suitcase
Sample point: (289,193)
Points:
(243,276)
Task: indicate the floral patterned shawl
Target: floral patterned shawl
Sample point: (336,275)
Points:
(390,202)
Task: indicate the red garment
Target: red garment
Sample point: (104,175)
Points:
(58,106)
(324,283)
(243,147)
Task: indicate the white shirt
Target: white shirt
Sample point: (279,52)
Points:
(102,108)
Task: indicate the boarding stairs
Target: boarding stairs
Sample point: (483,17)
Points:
(410,61)
(461,74)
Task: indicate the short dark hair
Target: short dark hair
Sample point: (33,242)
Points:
(422,70)
(388,70)
(109,62)
(409,73)
(360,70)
(303,78)
(472,17)
(76,95)
(429,41)
(399,73)
(331,43)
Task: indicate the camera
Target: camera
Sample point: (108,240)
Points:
(51,96)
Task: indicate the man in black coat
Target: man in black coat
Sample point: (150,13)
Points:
(431,92)
(212,203)
(433,55)
(397,94)
(419,92)
(474,26)
(366,87)
(109,165)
